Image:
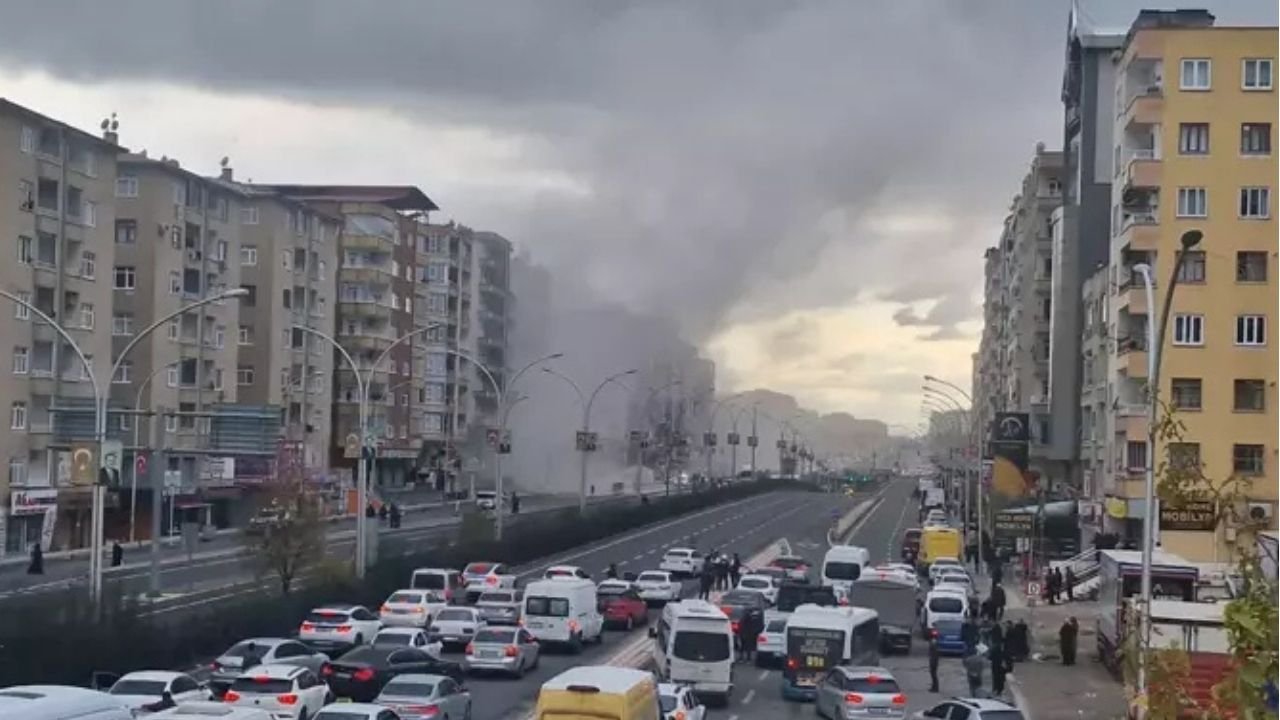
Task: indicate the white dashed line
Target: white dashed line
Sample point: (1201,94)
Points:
(751,694)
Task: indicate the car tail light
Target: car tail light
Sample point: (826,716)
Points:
(418,611)
(792,664)
(512,651)
(385,608)
(363,674)
(762,640)
(899,699)
(287,699)
(734,627)
(214,666)
(679,715)
(853,698)
(326,670)
(230,696)
(423,710)
(844,601)
(307,627)
(491,580)
(726,611)
(261,679)
(344,628)
(573,626)
(471,648)
(873,679)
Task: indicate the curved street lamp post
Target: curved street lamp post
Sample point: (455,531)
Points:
(584,441)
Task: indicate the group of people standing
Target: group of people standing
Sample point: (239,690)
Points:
(1058,583)
(719,572)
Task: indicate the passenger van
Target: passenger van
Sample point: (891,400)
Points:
(843,564)
(563,610)
(939,542)
(819,638)
(693,645)
(447,583)
(943,605)
(60,702)
(599,691)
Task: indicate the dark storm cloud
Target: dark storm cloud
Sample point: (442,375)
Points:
(716,138)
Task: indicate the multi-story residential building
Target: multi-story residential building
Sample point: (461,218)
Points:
(1095,415)
(1081,230)
(288,260)
(493,314)
(987,394)
(376,278)
(60,260)
(1193,150)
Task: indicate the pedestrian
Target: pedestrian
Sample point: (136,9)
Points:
(1067,635)
(1019,641)
(998,669)
(752,625)
(969,634)
(612,572)
(395,515)
(722,566)
(987,611)
(735,570)
(1068,581)
(971,555)
(934,657)
(998,600)
(117,554)
(383,513)
(593,491)
(1057,584)
(997,572)
(973,665)
(515,503)
(370,511)
(1048,586)
(996,638)
(37,561)
(704,582)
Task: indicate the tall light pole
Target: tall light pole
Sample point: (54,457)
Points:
(1155,343)
(644,410)
(584,442)
(137,426)
(969,428)
(709,440)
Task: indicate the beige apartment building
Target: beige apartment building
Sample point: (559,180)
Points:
(58,257)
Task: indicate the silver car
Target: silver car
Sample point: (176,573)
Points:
(250,653)
(500,607)
(423,697)
(502,649)
(861,691)
(771,646)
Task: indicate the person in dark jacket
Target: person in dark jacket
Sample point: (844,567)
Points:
(383,513)
(750,628)
(999,666)
(395,515)
(37,561)
(998,601)
(117,554)
(704,581)
(1068,581)
(735,569)
(1067,635)
(515,503)
(1057,584)
(1018,640)
(934,657)
(969,634)
(370,511)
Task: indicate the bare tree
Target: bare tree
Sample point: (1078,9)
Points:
(288,534)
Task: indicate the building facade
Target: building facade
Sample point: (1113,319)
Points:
(1194,137)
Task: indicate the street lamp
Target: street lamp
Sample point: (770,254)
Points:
(711,430)
(584,443)
(137,425)
(953,386)
(644,410)
(1155,342)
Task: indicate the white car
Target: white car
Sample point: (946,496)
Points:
(145,687)
(398,637)
(286,691)
(897,571)
(762,584)
(679,703)
(937,566)
(557,571)
(658,586)
(410,608)
(971,709)
(205,709)
(483,576)
(339,626)
(455,626)
(356,711)
(771,646)
(683,561)
(488,499)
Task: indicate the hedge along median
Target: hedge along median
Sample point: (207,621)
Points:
(53,638)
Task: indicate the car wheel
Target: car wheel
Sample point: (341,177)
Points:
(359,639)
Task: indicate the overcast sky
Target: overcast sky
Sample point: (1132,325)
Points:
(805,186)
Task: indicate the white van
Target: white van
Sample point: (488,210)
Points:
(448,584)
(843,564)
(563,610)
(943,604)
(693,645)
(60,702)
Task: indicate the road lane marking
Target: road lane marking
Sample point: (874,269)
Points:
(763,674)
(751,694)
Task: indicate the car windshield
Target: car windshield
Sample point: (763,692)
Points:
(455,615)
(336,714)
(677,554)
(406,597)
(667,703)
(756,583)
(428,581)
(546,607)
(1002,715)
(872,684)
(842,570)
(327,616)
(139,687)
(697,646)
(393,639)
(652,577)
(409,688)
(776,626)
(791,597)
(748,599)
(942,604)
(262,685)
(610,590)
(559,572)
(495,635)
(496,597)
(248,649)
(477,569)
(789,563)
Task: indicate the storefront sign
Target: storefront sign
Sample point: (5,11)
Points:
(1009,524)
(1116,507)
(32,501)
(1195,516)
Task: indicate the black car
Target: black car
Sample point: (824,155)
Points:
(793,594)
(361,673)
(738,604)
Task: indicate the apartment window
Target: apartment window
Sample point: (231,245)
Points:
(1195,74)
(1192,269)
(1257,74)
(172,330)
(1247,459)
(1251,266)
(1250,395)
(248,216)
(1188,329)
(46,249)
(87,316)
(171,423)
(251,298)
(1255,202)
(124,422)
(1135,454)
(244,375)
(47,194)
(1184,456)
(245,336)
(175,282)
(26,195)
(1255,139)
(17,470)
(1193,139)
(286,296)
(126,186)
(121,324)
(1193,202)
(171,376)
(18,416)
(88,265)
(220,336)
(22,310)
(126,278)
(220,251)
(124,373)
(248,255)
(126,232)
(1186,393)
(21,360)
(89,213)
(27,143)
(1251,330)
(25,251)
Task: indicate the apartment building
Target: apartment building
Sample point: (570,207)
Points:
(60,261)
(986,391)
(494,310)
(1093,446)
(376,275)
(1194,137)
(288,259)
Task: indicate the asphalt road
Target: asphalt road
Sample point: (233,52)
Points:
(220,561)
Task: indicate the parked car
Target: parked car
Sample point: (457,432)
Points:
(682,561)
(511,650)
(500,607)
(248,654)
(971,709)
(361,673)
(677,702)
(339,627)
(417,696)
(286,691)
(621,605)
(556,571)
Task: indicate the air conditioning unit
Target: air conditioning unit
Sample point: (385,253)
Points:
(1261,512)
(175,236)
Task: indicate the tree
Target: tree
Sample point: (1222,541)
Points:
(289,533)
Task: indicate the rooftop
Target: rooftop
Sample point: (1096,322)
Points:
(12,107)
(398,197)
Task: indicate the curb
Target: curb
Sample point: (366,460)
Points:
(1019,700)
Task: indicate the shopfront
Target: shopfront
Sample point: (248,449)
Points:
(32,512)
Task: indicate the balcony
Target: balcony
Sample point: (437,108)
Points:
(374,275)
(365,308)
(1134,425)
(375,243)
(1140,229)
(1131,357)
(368,339)
(1142,168)
(1129,483)
(1132,296)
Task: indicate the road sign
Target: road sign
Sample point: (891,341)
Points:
(1033,588)
(585,441)
(752,441)
(351,448)
(140,465)
(733,438)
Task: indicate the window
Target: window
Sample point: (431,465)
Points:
(18,416)
(175,282)
(248,216)
(46,249)
(87,316)
(244,375)
(251,299)
(286,297)
(126,278)
(21,360)
(1193,139)
(17,472)
(89,213)
(47,194)
(1188,329)
(1193,202)
(1247,459)
(171,376)
(88,265)
(1184,456)
(220,251)
(126,186)
(1250,395)
(28,141)
(1251,330)
(26,195)
(1255,202)
(1186,393)
(1192,269)
(126,232)
(24,249)
(220,336)
(22,311)
(1255,139)
(248,255)
(245,336)
(123,373)
(217,378)
(172,331)
(1251,266)
(122,324)
(1195,74)
(1257,74)
(170,423)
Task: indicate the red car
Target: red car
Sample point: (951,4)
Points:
(621,605)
